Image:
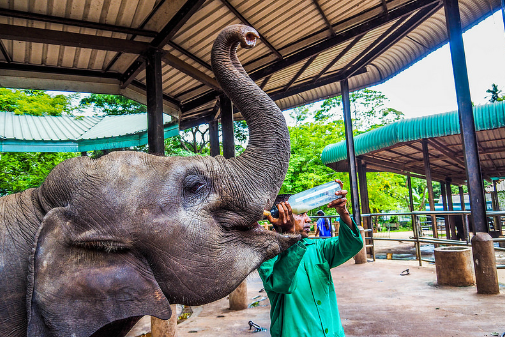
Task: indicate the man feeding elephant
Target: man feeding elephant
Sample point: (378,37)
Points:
(105,241)
(298,281)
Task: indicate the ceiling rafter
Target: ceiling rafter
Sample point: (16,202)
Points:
(166,97)
(325,18)
(341,37)
(338,57)
(161,39)
(77,23)
(406,27)
(189,70)
(142,25)
(190,55)
(300,72)
(6,55)
(265,81)
(318,47)
(298,89)
(48,36)
(245,22)
(451,155)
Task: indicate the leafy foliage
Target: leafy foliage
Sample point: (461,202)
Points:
(112,105)
(22,170)
(494,94)
(316,128)
(34,102)
(368,110)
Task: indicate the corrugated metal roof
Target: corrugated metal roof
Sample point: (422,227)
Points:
(25,133)
(393,35)
(487,117)
(397,147)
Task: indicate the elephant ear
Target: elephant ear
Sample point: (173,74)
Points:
(81,280)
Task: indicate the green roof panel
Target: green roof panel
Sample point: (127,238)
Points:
(487,117)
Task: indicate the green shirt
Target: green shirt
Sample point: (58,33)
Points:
(300,288)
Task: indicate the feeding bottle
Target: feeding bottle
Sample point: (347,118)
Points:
(315,197)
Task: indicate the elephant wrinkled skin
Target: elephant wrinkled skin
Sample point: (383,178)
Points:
(104,241)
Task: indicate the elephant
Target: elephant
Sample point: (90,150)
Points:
(103,242)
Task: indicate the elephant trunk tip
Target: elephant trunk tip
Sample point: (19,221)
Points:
(249,39)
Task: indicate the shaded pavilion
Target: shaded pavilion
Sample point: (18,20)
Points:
(157,52)
(427,147)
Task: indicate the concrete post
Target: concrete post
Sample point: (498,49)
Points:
(238,298)
(162,328)
(361,256)
(486,275)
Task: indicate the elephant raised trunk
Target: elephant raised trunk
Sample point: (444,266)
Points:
(104,241)
(268,134)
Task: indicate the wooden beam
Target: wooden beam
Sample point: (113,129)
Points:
(76,23)
(279,94)
(300,72)
(47,36)
(414,21)
(155,134)
(227,127)
(191,123)
(245,22)
(429,184)
(338,57)
(166,97)
(170,29)
(133,70)
(325,18)
(214,138)
(265,81)
(190,55)
(448,153)
(189,70)
(58,70)
(341,37)
(6,55)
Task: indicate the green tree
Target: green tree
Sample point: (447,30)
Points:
(495,94)
(34,102)
(368,110)
(23,170)
(112,105)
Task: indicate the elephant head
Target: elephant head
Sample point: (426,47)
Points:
(129,233)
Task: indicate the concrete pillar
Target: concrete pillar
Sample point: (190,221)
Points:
(484,260)
(361,256)
(238,298)
(162,328)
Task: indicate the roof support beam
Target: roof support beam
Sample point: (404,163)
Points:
(188,54)
(320,10)
(6,55)
(245,22)
(30,34)
(189,70)
(304,87)
(450,155)
(300,72)
(339,56)
(170,29)
(77,23)
(341,37)
(414,21)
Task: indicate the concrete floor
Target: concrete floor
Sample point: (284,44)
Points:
(374,300)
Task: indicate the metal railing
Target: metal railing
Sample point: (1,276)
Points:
(417,230)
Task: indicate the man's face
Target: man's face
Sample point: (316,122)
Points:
(302,224)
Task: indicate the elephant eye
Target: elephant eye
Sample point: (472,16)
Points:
(194,187)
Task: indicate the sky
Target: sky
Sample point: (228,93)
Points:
(427,87)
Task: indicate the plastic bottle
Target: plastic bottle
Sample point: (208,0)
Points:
(315,197)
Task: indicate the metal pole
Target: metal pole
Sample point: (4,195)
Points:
(214,138)
(466,230)
(451,208)
(365,202)
(227,126)
(494,202)
(351,155)
(482,245)
(155,134)
(444,203)
(431,198)
(414,220)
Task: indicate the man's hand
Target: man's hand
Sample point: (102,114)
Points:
(340,205)
(286,219)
